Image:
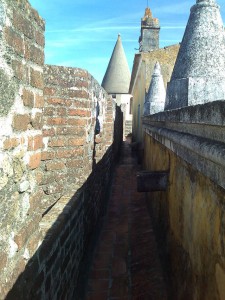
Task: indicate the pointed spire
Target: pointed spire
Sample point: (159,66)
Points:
(117,76)
(155,99)
(199,73)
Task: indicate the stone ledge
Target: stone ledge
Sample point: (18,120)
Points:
(212,113)
(205,155)
(205,120)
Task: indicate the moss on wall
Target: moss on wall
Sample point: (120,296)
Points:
(9,89)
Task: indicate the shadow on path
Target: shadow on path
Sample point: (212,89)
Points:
(126,262)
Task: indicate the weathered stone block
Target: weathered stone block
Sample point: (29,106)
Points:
(28,98)
(21,122)
(34,161)
(36,79)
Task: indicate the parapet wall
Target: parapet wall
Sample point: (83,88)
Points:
(189,143)
(21,103)
(57,150)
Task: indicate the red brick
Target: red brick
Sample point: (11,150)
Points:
(48,132)
(36,79)
(28,98)
(49,91)
(78,94)
(79,112)
(35,161)
(64,153)
(51,166)
(76,142)
(82,83)
(35,142)
(74,163)
(14,40)
(21,122)
(59,101)
(81,104)
(47,155)
(56,121)
(71,130)
(57,142)
(69,153)
(78,122)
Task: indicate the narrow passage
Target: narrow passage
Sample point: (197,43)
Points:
(126,263)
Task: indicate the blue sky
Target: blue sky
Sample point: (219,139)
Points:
(82,33)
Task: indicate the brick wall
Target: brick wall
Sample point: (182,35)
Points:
(72,214)
(21,98)
(57,150)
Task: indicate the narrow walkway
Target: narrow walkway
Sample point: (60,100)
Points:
(126,263)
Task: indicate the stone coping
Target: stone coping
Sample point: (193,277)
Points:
(206,155)
(212,113)
(194,133)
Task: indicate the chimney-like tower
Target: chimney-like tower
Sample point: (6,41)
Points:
(149,39)
(155,99)
(199,72)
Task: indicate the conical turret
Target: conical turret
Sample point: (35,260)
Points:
(155,99)
(199,73)
(117,76)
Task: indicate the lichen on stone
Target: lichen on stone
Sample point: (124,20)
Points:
(9,89)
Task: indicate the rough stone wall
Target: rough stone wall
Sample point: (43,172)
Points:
(189,217)
(57,150)
(166,57)
(21,102)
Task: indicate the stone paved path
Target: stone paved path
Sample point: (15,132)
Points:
(126,263)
